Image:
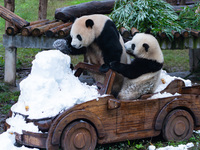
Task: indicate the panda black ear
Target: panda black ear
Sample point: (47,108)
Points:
(89,23)
(148,31)
(146,46)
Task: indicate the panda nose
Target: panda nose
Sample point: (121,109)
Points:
(74,45)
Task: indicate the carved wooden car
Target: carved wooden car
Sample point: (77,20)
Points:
(108,119)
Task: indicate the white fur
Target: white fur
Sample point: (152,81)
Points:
(94,53)
(146,83)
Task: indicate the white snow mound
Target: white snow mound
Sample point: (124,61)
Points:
(51,87)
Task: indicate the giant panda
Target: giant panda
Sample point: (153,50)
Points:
(97,37)
(142,75)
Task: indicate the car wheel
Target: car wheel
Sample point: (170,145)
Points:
(79,135)
(178,126)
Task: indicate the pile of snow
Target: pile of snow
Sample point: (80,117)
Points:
(164,81)
(51,87)
(179,147)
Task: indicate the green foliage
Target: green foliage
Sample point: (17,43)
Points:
(176,60)
(142,14)
(7,98)
(188,18)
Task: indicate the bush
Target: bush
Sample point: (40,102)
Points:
(142,14)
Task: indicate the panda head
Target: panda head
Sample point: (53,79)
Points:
(82,32)
(144,45)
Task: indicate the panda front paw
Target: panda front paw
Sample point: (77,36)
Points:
(114,65)
(104,68)
(61,45)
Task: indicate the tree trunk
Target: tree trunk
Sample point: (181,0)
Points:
(42,13)
(10,5)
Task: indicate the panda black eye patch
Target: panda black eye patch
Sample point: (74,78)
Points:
(79,37)
(133,46)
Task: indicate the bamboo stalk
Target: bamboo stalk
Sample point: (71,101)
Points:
(64,31)
(40,30)
(12,18)
(27,30)
(51,32)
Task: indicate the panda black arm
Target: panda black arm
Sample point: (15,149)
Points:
(109,43)
(138,67)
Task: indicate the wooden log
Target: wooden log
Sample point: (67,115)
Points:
(124,32)
(12,30)
(95,7)
(38,21)
(162,35)
(194,32)
(176,34)
(64,31)
(10,5)
(42,12)
(27,30)
(185,33)
(51,32)
(12,18)
(134,31)
(40,30)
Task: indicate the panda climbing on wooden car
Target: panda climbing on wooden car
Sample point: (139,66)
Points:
(97,37)
(143,74)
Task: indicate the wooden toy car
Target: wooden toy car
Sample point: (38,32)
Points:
(107,119)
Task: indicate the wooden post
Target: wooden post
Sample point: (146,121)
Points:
(42,13)
(10,65)
(10,5)
(194,60)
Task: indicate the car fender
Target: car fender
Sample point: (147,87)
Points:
(174,104)
(62,121)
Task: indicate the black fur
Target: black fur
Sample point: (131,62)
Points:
(71,50)
(138,67)
(109,43)
(89,23)
(146,46)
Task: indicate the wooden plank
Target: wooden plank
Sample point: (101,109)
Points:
(28,42)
